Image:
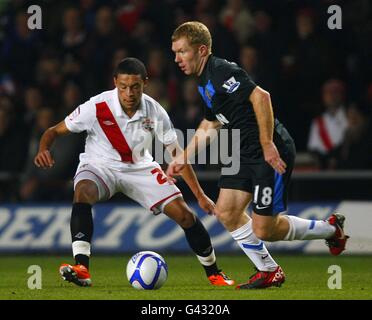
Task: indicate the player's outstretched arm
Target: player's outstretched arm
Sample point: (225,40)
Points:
(261,102)
(190,178)
(44,159)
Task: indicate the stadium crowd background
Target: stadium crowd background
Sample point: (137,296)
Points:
(312,72)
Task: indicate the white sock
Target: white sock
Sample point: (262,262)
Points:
(254,248)
(81,247)
(207,261)
(305,229)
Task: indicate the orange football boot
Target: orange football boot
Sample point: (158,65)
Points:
(77,274)
(220,279)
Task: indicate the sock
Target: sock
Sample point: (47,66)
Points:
(81,226)
(305,229)
(82,259)
(254,248)
(200,242)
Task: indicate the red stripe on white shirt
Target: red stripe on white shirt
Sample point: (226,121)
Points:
(324,135)
(112,131)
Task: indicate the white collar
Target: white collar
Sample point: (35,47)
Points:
(141,111)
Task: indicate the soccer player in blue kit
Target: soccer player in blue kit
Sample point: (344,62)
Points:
(266,159)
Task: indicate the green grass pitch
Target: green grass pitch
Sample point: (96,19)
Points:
(307,278)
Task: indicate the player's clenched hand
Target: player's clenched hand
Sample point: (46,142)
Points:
(273,158)
(206,204)
(44,159)
(174,168)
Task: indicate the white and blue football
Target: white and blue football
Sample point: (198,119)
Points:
(147,270)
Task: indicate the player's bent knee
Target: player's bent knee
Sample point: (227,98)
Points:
(86,191)
(263,233)
(183,218)
(222,215)
(187,220)
(180,213)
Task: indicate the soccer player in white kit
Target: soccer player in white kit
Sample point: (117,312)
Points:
(120,126)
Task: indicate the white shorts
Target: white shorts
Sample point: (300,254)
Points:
(148,186)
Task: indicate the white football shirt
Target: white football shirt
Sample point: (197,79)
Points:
(327,131)
(115,139)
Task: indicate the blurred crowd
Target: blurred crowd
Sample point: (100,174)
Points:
(319,79)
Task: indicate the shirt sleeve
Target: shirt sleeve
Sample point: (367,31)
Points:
(82,118)
(232,80)
(164,128)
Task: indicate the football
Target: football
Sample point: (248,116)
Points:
(147,270)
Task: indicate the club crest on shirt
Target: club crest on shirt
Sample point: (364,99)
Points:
(147,124)
(231,85)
